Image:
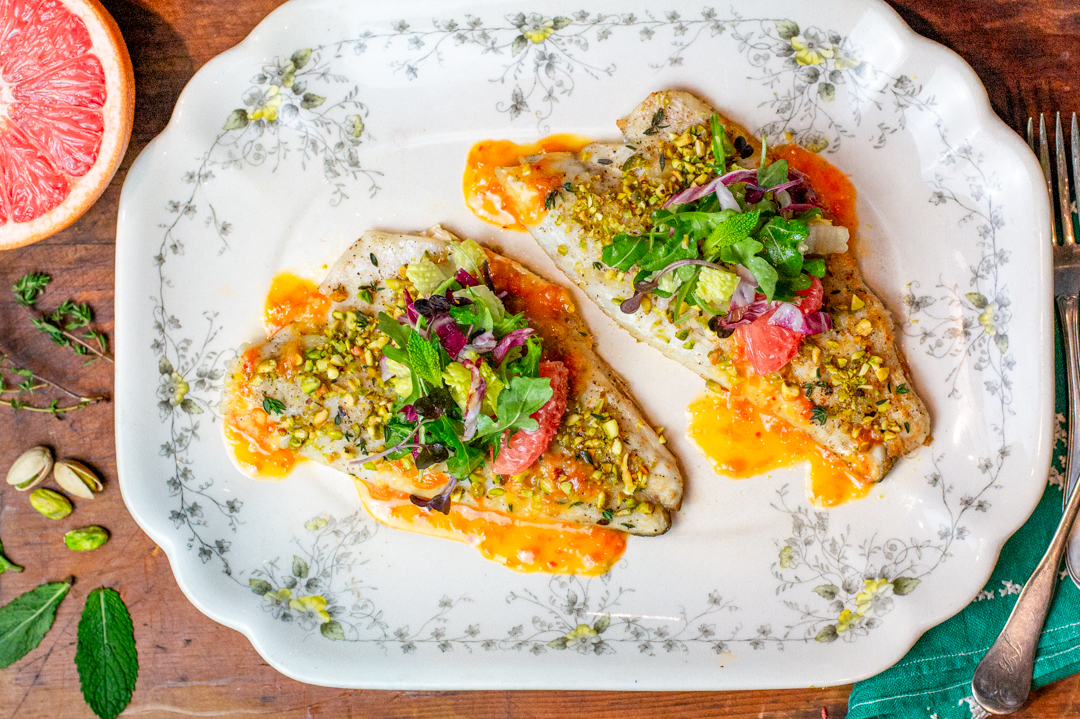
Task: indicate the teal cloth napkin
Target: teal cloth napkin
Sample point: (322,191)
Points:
(934,678)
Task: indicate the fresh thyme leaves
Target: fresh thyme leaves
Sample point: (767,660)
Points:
(819,415)
(28,287)
(6,565)
(549,201)
(374,259)
(62,323)
(809,386)
(25,619)
(273,406)
(106,657)
(19,385)
(655,126)
(902,389)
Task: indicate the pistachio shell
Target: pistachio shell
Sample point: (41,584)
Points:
(76,478)
(52,504)
(85,539)
(31,468)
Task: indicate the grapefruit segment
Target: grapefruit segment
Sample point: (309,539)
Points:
(49,36)
(79,82)
(66,104)
(33,185)
(70,135)
(521,450)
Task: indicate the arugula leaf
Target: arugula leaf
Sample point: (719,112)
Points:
(106,658)
(396,331)
(663,254)
(396,431)
(6,565)
(782,239)
(25,619)
(745,253)
(424,359)
(773,175)
(625,251)
(518,400)
(735,228)
(527,364)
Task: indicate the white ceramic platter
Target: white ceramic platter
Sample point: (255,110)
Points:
(334,117)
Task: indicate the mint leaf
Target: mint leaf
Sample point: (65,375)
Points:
(517,401)
(735,229)
(25,619)
(424,359)
(6,565)
(624,252)
(105,657)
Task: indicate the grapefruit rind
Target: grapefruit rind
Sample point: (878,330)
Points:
(108,45)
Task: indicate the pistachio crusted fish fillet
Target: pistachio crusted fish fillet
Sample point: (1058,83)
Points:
(847,387)
(338,400)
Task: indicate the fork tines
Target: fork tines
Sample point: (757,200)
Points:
(1064,210)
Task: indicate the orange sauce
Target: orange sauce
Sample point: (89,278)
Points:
(487,197)
(250,433)
(832,186)
(293,299)
(524,545)
(741,442)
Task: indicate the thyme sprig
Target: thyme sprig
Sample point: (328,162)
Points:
(18,382)
(60,324)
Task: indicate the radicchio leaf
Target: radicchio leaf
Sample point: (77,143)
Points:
(483,342)
(410,308)
(477,389)
(450,335)
(512,339)
(465,279)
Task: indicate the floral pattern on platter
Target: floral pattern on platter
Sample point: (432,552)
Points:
(835,586)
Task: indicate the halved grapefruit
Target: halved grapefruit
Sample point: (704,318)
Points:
(67,95)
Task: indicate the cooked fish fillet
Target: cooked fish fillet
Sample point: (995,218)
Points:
(638,495)
(873,414)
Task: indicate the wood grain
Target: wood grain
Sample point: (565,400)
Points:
(1025,52)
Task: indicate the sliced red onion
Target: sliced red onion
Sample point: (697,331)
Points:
(739,316)
(716,185)
(483,342)
(791,317)
(739,176)
(508,342)
(746,274)
(476,399)
(450,335)
(644,287)
(744,292)
(785,186)
(384,368)
(465,279)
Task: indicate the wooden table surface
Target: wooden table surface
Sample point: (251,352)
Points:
(1027,52)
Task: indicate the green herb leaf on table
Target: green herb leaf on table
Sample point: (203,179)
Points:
(6,565)
(25,619)
(106,658)
(28,287)
(60,325)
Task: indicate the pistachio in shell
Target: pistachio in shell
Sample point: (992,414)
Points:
(76,478)
(52,504)
(31,468)
(85,539)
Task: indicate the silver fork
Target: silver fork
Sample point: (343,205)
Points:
(1002,680)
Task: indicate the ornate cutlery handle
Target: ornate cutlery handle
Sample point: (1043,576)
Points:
(1002,680)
